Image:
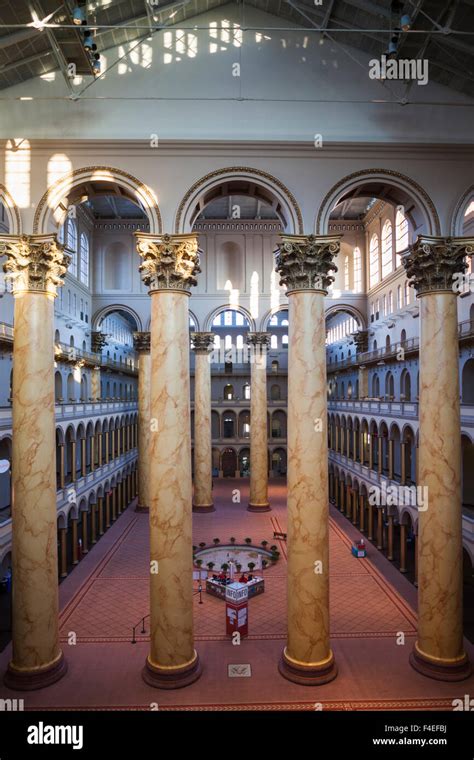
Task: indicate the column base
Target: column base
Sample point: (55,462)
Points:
(314,674)
(39,678)
(204,508)
(172,678)
(440,670)
(263,507)
(141,508)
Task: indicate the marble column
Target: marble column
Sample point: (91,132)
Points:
(403,548)
(63,551)
(362,513)
(107,509)
(390,537)
(75,553)
(202,497)
(95,384)
(433,266)
(36,265)
(85,533)
(169,267)
(258,343)
(379,528)
(100,506)
(304,263)
(363,382)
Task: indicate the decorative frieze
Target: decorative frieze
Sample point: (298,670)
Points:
(34,262)
(304,262)
(434,264)
(169,262)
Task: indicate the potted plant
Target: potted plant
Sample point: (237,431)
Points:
(264,564)
(251,566)
(199,562)
(216,541)
(210,566)
(232,540)
(273,548)
(202,544)
(248,540)
(264,544)
(275,556)
(225,567)
(194,548)
(238,567)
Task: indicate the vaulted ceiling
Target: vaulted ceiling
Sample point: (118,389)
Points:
(443,26)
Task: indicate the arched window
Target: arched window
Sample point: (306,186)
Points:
(346,273)
(390,302)
(387,258)
(60,234)
(284,341)
(374,272)
(217,341)
(84,260)
(246,391)
(239,341)
(357,260)
(401,232)
(72,245)
(399,297)
(274,341)
(228,341)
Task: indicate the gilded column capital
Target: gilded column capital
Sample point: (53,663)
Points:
(98,341)
(169,262)
(203,342)
(35,263)
(435,264)
(141,342)
(304,262)
(361,340)
(259,340)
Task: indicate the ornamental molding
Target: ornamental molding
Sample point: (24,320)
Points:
(259,340)
(98,341)
(437,264)
(388,173)
(115,175)
(304,262)
(35,263)
(169,262)
(457,218)
(250,172)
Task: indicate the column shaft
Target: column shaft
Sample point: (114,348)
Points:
(258,500)
(202,497)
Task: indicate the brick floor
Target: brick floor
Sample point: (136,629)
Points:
(370,603)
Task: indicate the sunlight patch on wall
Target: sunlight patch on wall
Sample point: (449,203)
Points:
(233,293)
(254,295)
(275,291)
(18,170)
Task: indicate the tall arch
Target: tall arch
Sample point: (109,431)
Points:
(402,190)
(239,180)
(52,208)
(12,212)
(347,308)
(229,307)
(457,219)
(112,308)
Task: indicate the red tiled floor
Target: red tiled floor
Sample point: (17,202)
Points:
(370,604)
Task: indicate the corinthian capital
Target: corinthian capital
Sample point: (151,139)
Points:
(435,264)
(258,340)
(203,342)
(34,262)
(141,342)
(305,261)
(169,262)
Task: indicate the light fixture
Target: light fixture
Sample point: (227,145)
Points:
(405,22)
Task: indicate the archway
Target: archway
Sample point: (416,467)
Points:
(243,182)
(74,186)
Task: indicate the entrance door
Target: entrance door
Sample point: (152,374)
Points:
(229,463)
